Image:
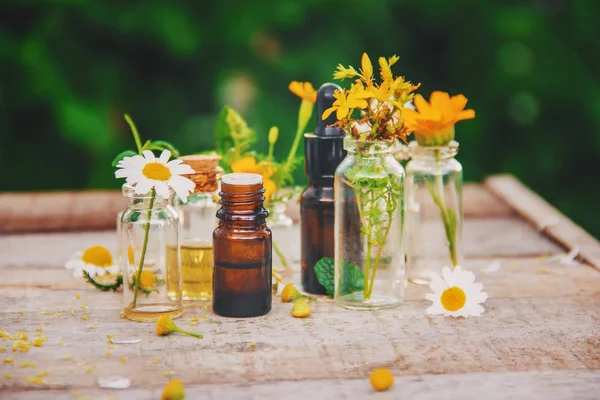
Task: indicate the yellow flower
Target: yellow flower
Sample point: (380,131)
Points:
(346,101)
(304,90)
(174,390)
(165,326)
(264,168)
(290,293)
(301,309)
(382,379)
(433,122)
(384,67)
(366,68)
(147,279)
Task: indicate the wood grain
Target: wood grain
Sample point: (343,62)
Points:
(540,317)
(59,211)
(545,218)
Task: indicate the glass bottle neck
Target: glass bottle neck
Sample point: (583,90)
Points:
(433,153)
(368,148)
(143,201)
(243,208)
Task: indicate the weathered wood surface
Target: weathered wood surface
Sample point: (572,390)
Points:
(538,339)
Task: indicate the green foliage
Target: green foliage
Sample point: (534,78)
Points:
(353,280)
(73,68)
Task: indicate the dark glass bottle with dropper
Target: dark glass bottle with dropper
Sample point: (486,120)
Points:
(324,151)
(242,275)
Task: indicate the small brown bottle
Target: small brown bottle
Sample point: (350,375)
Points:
(324,151)
(242,277)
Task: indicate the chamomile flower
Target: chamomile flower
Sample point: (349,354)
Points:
(148,172)
(95,260)
(456,294)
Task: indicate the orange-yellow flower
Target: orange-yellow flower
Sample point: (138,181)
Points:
(174,390)
(433,122)
(304,90)
(266,169)
(346,101)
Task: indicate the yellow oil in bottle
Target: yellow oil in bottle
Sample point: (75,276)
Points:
(196,269)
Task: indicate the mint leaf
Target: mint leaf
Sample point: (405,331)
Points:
(325,274)
(353,280)
(126,153)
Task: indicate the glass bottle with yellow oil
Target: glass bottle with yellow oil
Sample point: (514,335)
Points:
(198,220)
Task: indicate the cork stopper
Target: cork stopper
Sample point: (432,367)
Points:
(207,171)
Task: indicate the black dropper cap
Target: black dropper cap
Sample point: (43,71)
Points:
(324,150)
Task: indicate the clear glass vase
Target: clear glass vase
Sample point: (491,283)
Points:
(148,230)
(434,213)
(369,208)
(198,220)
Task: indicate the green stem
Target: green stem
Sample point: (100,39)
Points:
(377,258)
(196,335)
(295,144)
(449,227)
(366,294)
(136,135)
(144,248)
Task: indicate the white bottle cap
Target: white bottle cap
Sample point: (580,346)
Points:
(241,179)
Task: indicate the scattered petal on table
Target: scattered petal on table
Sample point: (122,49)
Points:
(114,382)
(125,341)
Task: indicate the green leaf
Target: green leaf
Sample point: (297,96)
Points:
(162,145)
(324,269)
(353,280)
(126,153)
(104,288)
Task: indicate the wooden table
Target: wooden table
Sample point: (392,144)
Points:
(539,337)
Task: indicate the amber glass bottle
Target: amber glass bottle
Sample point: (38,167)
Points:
(242,278)
(323,150)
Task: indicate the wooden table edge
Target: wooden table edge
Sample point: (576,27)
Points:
(546,218)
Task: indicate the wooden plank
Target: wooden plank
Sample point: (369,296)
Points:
(545,218)
(59,211)
(532,385)
(97,210)
(508,237)
(541,316)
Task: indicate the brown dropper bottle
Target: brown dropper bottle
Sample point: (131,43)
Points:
(324,151)
(242,277)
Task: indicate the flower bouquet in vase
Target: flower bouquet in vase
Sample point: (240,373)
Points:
(434,186)
(369,185)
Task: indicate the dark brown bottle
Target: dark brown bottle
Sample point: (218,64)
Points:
(323,150)
(242,276)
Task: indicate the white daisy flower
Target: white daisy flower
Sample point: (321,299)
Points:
(147,172)
(456,294)
(95,260)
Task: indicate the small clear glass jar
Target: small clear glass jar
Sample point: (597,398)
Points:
(434,213)
(147,229)
(198,220)
(369,255)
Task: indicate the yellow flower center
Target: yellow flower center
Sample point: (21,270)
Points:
(98,256)
(147,279)
(157,171)
(453,299)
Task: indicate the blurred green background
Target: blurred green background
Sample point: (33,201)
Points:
(70,69)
